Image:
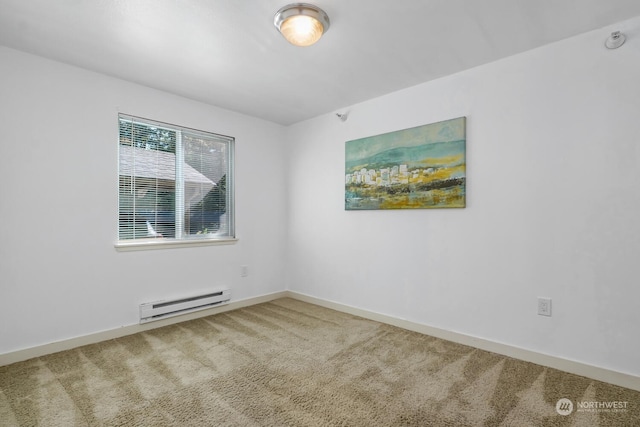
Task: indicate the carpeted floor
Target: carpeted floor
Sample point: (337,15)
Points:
(288,363)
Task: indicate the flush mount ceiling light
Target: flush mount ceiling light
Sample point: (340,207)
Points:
(302,24)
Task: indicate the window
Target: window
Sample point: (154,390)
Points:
(175,184)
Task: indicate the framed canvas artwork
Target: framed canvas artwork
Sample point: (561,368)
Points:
(418,168)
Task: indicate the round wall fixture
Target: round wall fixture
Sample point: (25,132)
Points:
(615,40)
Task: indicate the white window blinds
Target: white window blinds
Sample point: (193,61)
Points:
(175,183)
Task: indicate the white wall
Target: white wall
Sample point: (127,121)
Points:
(552,199)
(552,166)
(60,276)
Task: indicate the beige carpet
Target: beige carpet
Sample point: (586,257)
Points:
(288,363)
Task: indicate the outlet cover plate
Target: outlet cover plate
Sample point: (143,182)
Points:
(544,306)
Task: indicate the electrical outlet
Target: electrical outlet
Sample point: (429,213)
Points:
(544,306)
(244,270)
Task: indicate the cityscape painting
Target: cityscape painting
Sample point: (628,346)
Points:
(418,168)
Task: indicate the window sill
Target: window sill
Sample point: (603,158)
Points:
(148,244)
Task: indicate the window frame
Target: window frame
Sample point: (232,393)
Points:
(188,240)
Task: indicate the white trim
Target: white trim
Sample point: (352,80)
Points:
(571,366)
(43,350)
(144,244)
(566,365)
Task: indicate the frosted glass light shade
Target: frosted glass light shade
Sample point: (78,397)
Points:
(301,24)
(301,30)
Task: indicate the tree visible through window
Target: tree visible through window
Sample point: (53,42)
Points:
(174,182)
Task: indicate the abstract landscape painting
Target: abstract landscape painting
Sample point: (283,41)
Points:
(417,168)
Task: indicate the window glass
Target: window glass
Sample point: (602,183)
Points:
(174,182)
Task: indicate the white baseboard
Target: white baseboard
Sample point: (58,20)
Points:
(573,367)
(43,350)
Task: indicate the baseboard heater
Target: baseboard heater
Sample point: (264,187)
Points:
(168,308)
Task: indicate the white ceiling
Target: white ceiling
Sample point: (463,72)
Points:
(227,52)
